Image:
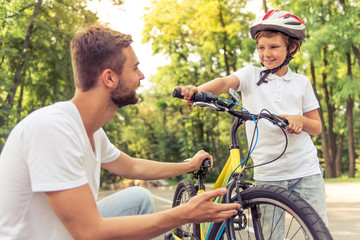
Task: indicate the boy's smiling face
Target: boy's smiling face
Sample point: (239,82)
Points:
(272,52)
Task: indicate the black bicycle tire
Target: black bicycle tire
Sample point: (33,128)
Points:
(188,187)
(276,195)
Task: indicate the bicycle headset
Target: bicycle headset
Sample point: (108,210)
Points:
(280,21)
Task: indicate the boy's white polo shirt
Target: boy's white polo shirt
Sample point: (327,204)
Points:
(290,94)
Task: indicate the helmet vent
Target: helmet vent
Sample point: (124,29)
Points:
(269,13)
(293,23)
(287,16)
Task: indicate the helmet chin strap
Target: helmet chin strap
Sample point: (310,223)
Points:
(265,73)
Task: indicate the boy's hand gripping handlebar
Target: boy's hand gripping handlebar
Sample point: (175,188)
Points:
(210,100)
(197,97)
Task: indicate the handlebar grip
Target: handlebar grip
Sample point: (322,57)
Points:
(282,122)
(206,163)
(177,93)
(197,97)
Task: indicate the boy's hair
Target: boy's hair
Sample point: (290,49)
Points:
(96,49)
(289,41)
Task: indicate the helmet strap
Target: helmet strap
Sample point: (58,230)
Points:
(266,72)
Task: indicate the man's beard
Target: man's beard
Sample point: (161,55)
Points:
(122,96)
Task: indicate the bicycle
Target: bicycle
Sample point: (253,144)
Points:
(267,212)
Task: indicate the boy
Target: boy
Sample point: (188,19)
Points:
(276,88)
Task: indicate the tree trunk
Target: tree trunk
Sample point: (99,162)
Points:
(330,171)
(350,106)
(356,52)
(225,39)
(324,136)
(19,105)
(20,64)
(351,144)
(350,123)
(338,155)
(265,6)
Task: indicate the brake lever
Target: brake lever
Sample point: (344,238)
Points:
(204,104)
(281,122)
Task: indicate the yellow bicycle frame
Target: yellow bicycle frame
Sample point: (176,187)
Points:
(232,166)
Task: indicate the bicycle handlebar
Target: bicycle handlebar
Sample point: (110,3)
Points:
(197,97)
(207,99)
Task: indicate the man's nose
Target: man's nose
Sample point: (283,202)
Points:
(141,75)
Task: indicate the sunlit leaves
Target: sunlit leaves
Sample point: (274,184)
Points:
(46,74)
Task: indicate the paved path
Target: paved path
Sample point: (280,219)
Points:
(343,203)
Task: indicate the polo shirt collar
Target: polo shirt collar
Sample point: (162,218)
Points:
(286,77)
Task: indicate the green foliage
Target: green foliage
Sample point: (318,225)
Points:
(213,42)
(209,43)
(203,40)
(46,74)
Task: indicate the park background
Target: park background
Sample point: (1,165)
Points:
(193,41)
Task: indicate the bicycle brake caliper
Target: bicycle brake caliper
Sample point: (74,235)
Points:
(241,220)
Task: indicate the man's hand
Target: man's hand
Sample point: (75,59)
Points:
(198,159)
(200,209)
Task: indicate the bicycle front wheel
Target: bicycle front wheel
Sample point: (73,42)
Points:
(272,212)
(184,191)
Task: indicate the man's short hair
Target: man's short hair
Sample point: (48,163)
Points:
(94,50)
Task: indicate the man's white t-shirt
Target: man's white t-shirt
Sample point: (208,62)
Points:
(291,94)
(47,151)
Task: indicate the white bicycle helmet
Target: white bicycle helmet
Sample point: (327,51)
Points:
(282,21)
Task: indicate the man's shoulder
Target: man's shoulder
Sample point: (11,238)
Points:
(56,111)
(58,114)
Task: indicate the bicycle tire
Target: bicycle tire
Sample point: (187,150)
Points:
(300,219)
(184,191)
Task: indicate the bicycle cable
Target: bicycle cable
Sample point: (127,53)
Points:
(256,131)
(251,147)
(283,152)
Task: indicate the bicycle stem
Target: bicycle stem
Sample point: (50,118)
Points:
(233,136)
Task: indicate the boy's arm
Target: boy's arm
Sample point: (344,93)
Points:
(76,209)
(216,86)
(309,122)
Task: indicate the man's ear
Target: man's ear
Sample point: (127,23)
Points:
(108,78)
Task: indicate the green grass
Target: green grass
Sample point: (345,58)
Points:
(344,178)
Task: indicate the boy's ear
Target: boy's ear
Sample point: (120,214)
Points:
(293,48)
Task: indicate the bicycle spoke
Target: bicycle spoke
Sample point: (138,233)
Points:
(272,217)
(183,193)
(275,225)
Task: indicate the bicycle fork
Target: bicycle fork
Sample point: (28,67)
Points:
(240,219)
